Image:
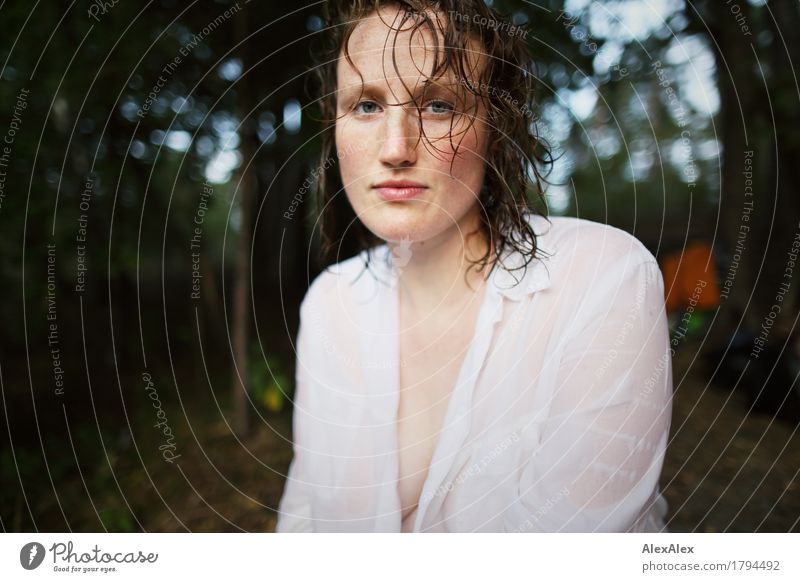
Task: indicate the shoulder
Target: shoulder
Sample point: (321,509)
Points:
(599,272)
(344,281)
(588,242)
(587,260)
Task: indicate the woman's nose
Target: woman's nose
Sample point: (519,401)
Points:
(400,137)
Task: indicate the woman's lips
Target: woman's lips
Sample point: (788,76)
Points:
(397,191)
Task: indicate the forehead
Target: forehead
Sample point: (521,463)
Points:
(391,46)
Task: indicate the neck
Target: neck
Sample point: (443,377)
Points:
(437,274)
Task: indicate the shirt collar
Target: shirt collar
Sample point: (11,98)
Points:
(512,279)
(509,277)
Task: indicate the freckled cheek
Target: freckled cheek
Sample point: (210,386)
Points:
(354,153)
(469,169)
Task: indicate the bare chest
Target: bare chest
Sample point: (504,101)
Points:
(431,362)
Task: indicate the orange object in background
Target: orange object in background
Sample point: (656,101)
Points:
(690,278)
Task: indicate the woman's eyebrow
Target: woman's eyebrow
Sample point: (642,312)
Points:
(448,86)
(380,87)
(361,90)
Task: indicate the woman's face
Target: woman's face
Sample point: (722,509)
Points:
(402,186)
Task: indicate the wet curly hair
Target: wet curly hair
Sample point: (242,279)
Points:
(516,156)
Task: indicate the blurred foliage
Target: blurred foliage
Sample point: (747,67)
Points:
(269,382)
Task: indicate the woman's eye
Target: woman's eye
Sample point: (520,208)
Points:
(439,107)
(366,107)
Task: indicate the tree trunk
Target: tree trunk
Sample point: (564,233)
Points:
(246,192)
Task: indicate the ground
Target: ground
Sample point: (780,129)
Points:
(725,471)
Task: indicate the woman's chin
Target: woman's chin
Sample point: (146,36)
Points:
(397,224)
(409,222)
(393,234)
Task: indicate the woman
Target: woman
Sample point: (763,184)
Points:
(477,367)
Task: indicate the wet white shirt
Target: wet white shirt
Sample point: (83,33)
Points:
(558,420)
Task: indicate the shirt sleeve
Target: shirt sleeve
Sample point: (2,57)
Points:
(598,454)
(294,510)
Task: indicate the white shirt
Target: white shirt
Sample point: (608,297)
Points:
(558,420)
